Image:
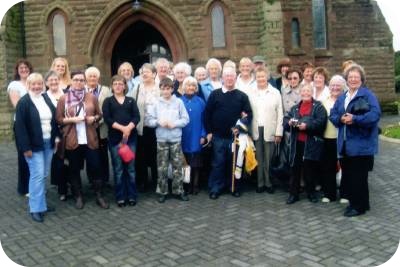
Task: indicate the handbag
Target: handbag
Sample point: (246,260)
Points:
(360,106)
(279,165)
(60,152)
(185,171)
(125,152)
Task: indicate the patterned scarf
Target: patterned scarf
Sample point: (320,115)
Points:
(74,102)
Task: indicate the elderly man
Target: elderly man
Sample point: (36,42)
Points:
(224,107)
(258,62)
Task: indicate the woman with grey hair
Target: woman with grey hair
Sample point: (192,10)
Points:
(337,85)
(200,74)
(181,71)
(194,133)
(356,114)
(214,70)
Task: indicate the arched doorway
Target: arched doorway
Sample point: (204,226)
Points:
(138,44)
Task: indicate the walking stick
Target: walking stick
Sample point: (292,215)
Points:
(233,162)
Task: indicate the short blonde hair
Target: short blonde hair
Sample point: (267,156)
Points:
(34,77)
(214,61)
(126,65)
(190,80)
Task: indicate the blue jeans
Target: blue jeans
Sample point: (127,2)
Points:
(221,166)
(125,185)
(39,168)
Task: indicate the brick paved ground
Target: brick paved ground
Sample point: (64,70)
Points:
(254,230)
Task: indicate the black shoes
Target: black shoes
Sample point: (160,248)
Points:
(236,194)
(313,198)
(260,189)
(213,196)
(270,189)
(121,203)
(351,212)
(183,197)
(37,216)
(292,199)
(161,199)
(132,202)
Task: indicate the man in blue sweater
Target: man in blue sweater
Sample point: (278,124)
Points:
(224,107)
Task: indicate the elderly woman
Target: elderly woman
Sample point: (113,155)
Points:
(356,113)
(282,68)
(291,93)
(101,92)
(79,113)
(266,103)
(126,70)
(306,121)
(245,79)
(121,115)
(145,97)
(194,133)
(214,69)
(58,173)
(60,65)
(200,74)
(308,69)
(320,80)
(162,68)
(36,131)
(336,87)
(181,71)
(17,89)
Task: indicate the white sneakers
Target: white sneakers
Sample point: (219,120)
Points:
(344,201)
(325,200)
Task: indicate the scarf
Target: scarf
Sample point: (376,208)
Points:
(74,102)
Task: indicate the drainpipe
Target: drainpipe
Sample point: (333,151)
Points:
(22,26)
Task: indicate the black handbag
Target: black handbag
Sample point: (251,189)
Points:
(279,169)
(360,106)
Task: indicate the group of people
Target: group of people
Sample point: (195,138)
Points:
(168,119)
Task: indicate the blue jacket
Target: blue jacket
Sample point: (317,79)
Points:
(172,111)
(205,89)
(28,129)
(316,122)
(195,130)
(362,136)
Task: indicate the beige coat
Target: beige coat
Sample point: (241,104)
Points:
(272,115)
(104,93)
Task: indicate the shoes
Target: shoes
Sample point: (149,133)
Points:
(313,198)
(183,197)
(79,203)
(132,202)
(260,189)
(236,194)
(37,217)
(325,200)
(121,203)
(351,212)
(344,201)
(63,197)
(102,203)
(270,189)
(161,199)
(292,199)
(213,196)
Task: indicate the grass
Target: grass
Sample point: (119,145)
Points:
(392,132)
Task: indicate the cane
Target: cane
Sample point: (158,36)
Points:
(233,162)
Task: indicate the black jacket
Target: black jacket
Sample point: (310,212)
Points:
(28,129)
(316,123)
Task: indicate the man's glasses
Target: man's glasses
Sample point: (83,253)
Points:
(78,80)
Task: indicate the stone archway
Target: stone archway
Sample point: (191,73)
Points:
(123,17)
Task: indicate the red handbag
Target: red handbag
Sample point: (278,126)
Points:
(125,152)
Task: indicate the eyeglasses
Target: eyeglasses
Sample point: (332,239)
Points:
(78,80)
(293,78)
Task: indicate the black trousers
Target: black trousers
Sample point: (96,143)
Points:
(104,162)
(329,169)
(303,168)
(75,158)
(355,176)
(23,171)
(146,156)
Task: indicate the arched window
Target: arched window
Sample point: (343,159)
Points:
(59,34)
(218,26)
(319,24)
(295,33)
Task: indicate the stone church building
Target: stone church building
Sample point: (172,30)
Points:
(105,33)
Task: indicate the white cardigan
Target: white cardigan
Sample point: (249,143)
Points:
(273,114)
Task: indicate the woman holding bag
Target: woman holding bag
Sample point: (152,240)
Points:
(121,115)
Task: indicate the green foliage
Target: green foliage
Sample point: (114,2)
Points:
(392,132)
